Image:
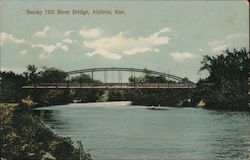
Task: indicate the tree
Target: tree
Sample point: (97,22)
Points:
(227,81)
(83,78)
(31,75)
(11,87)
(53,75)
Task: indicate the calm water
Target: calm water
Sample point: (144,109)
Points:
(119,131)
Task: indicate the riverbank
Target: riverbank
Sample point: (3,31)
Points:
(24,136)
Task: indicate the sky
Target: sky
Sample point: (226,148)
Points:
(165,36)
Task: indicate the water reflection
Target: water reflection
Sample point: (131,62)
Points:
(53,119)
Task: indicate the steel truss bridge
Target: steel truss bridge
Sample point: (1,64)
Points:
(178,81)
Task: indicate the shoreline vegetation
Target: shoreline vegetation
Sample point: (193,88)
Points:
(23,136)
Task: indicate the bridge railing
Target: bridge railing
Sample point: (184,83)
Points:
(110,85)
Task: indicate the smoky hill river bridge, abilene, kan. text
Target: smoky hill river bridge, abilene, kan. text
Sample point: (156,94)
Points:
(179,82)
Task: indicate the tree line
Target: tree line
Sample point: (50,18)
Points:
(226,86)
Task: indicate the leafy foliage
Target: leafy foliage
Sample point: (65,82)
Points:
(26,137)
(170,97)
(227,84)
(52,75)
(11,87)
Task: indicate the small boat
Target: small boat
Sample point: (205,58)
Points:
(77,100)
(152,107)
(157,108)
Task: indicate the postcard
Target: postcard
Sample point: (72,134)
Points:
(124,80)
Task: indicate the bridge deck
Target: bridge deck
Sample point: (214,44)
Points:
(109,86)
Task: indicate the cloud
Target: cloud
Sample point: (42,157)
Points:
(220,48)
(62,47)
(201,49)
(67,40)
(5,36)
(178,56)
(164,30)
(46,48)
(67,33)
(50,48)
(137,50)
(114,47)
(70,41)
(121,44)
(43,32)
(105,54)
(228,41)
(23,52)
(90,33)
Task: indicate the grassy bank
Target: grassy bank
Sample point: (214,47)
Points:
(24,136)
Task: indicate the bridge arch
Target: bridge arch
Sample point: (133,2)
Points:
(92,70)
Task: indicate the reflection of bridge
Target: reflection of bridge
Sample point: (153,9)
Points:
(163,80)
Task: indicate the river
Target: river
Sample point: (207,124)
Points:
(117,130)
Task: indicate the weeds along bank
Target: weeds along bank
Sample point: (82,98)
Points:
(24,136)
